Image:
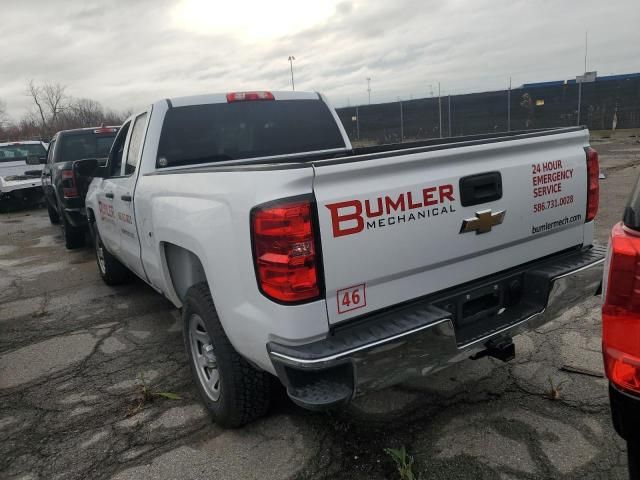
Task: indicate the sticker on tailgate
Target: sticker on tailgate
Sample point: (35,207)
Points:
(353,216)
(351,298)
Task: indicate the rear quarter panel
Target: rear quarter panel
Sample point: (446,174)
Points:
(208,213)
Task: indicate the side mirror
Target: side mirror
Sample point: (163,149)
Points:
(86,167)
(101,172)
(35,160)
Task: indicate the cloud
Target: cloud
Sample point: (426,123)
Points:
(128,54)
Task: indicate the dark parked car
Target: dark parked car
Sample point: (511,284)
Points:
(71,160)
(621,328)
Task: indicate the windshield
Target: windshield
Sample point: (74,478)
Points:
(231,131)
(19,151)
(86,145)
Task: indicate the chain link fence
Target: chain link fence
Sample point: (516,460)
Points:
(604,105)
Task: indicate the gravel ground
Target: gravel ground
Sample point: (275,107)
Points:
(75,353)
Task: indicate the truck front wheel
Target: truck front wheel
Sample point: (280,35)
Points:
(234,392)
(111,270)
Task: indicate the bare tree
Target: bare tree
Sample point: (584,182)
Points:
(85,112)
(53,110)
(4,118)
(50,100)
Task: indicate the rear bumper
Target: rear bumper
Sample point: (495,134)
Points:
(625,412)
(428,335)
(8,186)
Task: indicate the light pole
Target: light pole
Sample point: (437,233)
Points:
(369,88)
(291,59)
(439,110)
(509,107)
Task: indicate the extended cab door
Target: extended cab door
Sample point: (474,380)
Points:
(106,218)
(124,187)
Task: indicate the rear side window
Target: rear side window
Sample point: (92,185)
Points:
(52,146)
(238,130)
(85,145)
(133,154)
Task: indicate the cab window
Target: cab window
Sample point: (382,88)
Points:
(117,151)
(135,144)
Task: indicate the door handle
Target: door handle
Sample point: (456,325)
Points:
(126,198)
(108,195)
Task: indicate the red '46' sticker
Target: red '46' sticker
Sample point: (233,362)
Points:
(351,298)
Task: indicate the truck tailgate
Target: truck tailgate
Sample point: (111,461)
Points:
(397,226)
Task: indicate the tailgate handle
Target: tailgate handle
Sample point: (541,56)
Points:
(480,188)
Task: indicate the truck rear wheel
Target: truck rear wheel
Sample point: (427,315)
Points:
(73,236)
(54,218)
(234,392)
(111,270)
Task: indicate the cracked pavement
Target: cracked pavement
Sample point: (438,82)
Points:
(73,354)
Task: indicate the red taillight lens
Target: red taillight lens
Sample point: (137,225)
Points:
(285,251)
(69,189)
(621,310)
(249,96)
(593,183)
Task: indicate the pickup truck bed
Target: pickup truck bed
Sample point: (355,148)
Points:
(337,269)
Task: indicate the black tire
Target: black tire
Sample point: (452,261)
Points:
(54,218)
(111,270)
(245,392)
(633,454)
(73,236)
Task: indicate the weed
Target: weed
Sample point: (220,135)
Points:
(404,462)
(147,395)
(554,390)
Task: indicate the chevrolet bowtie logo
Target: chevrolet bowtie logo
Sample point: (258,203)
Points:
(483,222)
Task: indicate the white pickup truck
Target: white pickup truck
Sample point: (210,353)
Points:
(18,180)
(340,270)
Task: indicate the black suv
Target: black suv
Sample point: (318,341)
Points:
(71,160)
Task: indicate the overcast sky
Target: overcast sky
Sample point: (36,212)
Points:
(127,54)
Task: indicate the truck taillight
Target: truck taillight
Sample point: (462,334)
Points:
(285,251)
(249,96)
(593,183)
(621,310)
(69,189)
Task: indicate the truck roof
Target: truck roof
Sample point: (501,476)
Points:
(222,97)
(79,131)
(21,142)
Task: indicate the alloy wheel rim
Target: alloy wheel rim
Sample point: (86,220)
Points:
(203,357)
(100,256)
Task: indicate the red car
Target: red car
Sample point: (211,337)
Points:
(621,328)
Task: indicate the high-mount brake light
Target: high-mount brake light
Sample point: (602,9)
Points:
(285,251)
(103,130)
(621,310)
(593,183)
(249,96)
(69,189)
